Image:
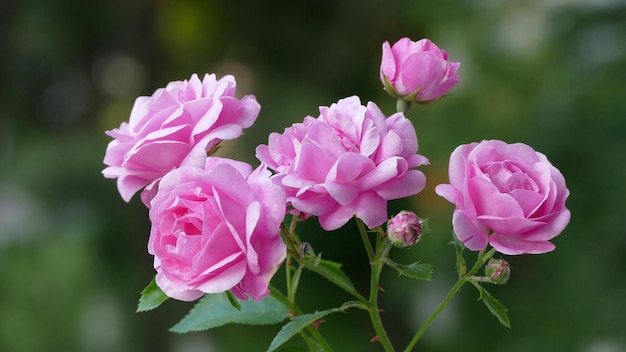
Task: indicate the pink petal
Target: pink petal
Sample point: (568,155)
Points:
(474,236)
(173,289)
(388,64)
(372,209)
(421,71)
(451,194)
(515,245)
(554,225)
(411,183)
(488,200)
(128,185)
(512,225)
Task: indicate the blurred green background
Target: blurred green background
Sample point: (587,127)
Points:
(73,255)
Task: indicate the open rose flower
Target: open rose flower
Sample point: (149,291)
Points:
(175,126)
(417,71)
(506,195)
(349,161)
(217,229)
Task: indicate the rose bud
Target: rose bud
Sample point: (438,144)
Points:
(498,271)
(404,229)
(417,71)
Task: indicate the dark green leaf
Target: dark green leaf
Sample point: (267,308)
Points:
(151,297)
(495,307)
(292,349)
(414,270)
(330,269)
(296,325)
(215,310)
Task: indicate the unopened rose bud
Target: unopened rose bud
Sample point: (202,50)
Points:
(404,229)
(497,271)
(417,71)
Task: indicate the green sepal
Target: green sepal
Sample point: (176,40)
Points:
(417,270)
(233,300)
(215,310)
(461,265)
(495,307)
(151,297)
(389,87)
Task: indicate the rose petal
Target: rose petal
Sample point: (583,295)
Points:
(515,245)
(474,236)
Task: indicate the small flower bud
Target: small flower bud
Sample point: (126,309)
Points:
(404,229)
(417,71)
(497,271)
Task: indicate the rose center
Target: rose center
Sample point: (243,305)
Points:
(509,177)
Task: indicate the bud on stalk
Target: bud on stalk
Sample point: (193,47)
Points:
(497,271)
(404,229)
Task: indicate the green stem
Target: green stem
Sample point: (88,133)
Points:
(402,106)
(293,243)
(366,240)
(290,293)
(432,317)
(291,288)
(480,261)
(376,267)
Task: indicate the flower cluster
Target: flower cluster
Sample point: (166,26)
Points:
(217,223)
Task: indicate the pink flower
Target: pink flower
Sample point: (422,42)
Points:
(506,195)
(417,71)
(217,229)
(349,161)
(175,126)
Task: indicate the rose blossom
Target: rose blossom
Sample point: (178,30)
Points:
(506,195)
(349,161)
(417,71)
(217,229)
(175,126)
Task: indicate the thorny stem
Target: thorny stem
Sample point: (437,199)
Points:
(376,266)
(480,261)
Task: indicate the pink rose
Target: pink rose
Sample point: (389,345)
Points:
(349,161)
(506,195)
(417,71)
(175,126)
(217,229)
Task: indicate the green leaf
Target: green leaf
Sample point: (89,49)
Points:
(292,349)
(151,297)
(495,307)
(296,325)
(414,270)
(330,269)
(215,310)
